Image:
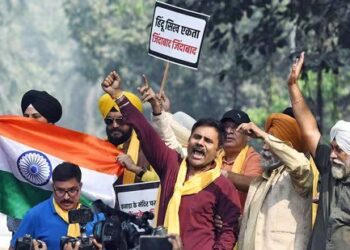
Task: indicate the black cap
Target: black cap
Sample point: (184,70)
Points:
(237,116)
(288,111)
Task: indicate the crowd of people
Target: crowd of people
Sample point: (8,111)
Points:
(216,191)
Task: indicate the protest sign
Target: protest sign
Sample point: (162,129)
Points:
(137,198)
(177,34)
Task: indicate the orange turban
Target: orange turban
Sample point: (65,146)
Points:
(106,103)
(286,129)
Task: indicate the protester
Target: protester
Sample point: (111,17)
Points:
(124,137)
(192,188)
(240,162)
(332,226)
(316,181)
(43,107)
(277,213)
(171,131)
(48,221)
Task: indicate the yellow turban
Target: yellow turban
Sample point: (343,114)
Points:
(106,103)
(286,129)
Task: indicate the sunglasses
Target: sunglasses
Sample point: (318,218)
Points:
(109,121)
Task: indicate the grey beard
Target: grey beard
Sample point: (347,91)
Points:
(269,161)
(340,170)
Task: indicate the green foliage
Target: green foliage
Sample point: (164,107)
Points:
(275,30)
(66,47)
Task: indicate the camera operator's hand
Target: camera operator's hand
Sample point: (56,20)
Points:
(69,246)
(39,245)
(97,245)
(175,241)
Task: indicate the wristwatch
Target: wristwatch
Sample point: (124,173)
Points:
(143,171)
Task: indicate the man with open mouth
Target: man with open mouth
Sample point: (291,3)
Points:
(192,189)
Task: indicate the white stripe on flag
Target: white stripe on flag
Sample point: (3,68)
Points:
(96,185)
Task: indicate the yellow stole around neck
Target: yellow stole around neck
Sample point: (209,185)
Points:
(237,166)
(133,152)
(73,229)
(193,185)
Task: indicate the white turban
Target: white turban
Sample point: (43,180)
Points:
(341,133)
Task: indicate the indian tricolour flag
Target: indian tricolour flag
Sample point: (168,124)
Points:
(30,150)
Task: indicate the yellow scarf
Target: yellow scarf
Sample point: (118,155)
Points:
(133,152)
(73,229)
(237,166)
(314,189)
(193,185)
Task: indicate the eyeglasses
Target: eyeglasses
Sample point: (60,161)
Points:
(109,121)
(62,192)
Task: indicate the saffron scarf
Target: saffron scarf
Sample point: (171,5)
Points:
(237,166)
(73,229)
(193,185)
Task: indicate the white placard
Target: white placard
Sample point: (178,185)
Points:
(177,34)
(137,198)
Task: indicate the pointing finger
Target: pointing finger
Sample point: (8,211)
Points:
(145,82)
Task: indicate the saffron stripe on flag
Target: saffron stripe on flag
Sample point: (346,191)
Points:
(30,150)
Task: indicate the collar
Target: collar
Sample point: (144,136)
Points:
(227,162)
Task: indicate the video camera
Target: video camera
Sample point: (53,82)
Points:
(118,230)
(81,216)
(119,227)
(26,243)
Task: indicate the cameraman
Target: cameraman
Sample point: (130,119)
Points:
(48,221)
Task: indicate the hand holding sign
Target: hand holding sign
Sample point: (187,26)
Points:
(164,100)
(111,84)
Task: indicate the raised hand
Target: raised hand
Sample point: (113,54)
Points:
(296,69)
(252,130)
(148,95)
(111,84)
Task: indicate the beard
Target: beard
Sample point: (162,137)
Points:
(340,169)
(116,141)
(269,161)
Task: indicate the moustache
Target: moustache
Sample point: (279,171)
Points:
(198,148)
(115,130)
(66,202)
(338,163)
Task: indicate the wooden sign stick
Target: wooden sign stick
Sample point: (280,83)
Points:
(165,76)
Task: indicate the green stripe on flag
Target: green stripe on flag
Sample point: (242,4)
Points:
(17,197)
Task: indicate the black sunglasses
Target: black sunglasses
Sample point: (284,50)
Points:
(109,121)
